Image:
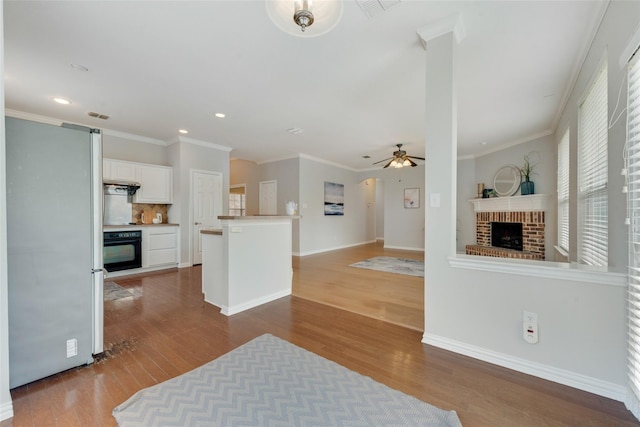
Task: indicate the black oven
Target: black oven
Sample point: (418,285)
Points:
(122,250)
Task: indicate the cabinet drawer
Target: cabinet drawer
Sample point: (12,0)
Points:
(162,241)
(162,256)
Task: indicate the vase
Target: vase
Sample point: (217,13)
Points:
(526,187)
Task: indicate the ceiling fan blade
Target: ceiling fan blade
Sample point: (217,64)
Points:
(390,158)
(415,157)
(387,165)
(413,164)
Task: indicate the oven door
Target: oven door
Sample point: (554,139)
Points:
(122,254)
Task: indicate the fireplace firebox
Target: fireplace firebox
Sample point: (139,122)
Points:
(506,235)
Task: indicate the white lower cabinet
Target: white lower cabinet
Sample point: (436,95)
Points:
(159,246)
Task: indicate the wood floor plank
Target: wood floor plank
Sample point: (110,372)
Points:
(366,321)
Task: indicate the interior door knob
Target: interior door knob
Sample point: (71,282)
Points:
(198,223)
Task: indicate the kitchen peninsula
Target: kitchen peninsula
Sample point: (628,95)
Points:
(247,262)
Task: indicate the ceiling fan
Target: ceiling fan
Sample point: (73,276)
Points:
(400,159)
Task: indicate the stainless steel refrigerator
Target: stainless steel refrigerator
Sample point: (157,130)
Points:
(54,241)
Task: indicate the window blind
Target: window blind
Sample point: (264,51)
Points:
(563,192)
(633,198)
(592,174)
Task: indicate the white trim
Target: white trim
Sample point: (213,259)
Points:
(6,411)
(404,248)
(513,143)
(32,117)
(450,24)
(572,379)
(546,269)
(633,404)
(326,162)
(529,203)
(133,137)
(230,311)
(185,265)
(335,248)
(207,144)
(632,46)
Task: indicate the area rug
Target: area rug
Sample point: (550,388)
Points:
(271,382)
(113,291)
(411,267)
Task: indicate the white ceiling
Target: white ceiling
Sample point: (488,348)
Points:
(157,66)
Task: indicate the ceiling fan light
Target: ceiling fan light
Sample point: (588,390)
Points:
(398,164)
(406,162)
(394,163)
(303,15)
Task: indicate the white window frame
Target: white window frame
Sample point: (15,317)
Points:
(563,192)
(632,165)
(593,217)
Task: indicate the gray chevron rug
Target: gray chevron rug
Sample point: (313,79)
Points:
(410,267)
(270,382)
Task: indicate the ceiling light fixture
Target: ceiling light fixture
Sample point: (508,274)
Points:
(184,131)
(220,115)
(305,18)
(62,101)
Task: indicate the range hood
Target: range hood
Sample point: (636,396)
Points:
(114,187)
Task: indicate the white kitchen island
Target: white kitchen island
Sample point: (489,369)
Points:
(247,262)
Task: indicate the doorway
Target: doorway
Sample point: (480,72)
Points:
(268,197)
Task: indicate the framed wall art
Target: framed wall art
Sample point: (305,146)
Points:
(411,198)
(333,199)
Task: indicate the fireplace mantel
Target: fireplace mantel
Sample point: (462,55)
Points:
(530,203)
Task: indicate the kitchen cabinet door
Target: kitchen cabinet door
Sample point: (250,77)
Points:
(116,170)
(156,184)
(159,246)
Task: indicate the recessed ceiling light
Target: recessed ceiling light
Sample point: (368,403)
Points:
(183,131)
(79,67)
(62,101)
(483,143)
(220,115)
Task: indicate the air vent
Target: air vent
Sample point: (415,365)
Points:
(372,8)
(98,115)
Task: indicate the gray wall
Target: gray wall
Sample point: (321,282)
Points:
(582,324)
(133,150)
(186,157)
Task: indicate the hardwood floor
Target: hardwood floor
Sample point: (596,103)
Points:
(167,329)
(327,278)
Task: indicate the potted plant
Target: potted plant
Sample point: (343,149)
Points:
(526,171)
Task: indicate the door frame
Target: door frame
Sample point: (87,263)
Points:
(192,173)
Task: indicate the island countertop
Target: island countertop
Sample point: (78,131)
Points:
(215,231)
(254,217)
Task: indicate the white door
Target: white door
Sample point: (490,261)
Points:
(206,193)
(268,197)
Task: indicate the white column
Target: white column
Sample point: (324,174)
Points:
(441,145)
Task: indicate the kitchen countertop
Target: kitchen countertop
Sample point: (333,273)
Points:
(254,217)
(215,231)
(113,227)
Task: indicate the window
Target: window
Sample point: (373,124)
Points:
(237,201)
(633,198)
(592,174)
(563,193)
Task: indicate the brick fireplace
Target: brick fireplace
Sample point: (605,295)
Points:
(525,210)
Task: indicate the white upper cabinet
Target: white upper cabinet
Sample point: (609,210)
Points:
(115,170)
(156,182)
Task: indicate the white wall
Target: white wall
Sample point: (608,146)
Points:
(6,406)
(582,324)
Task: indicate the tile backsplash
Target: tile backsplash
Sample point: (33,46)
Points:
(149,211)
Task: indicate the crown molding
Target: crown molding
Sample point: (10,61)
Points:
(134,137)
(326,162)
(200,143)
(35,117)
(450,24)
(504,146)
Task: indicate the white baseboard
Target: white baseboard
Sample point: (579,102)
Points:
(335,248)
(633,404)
(6,411)
(404,248)
(185,265)
(230,311)
(572,379)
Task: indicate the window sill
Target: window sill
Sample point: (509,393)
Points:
(542,269)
